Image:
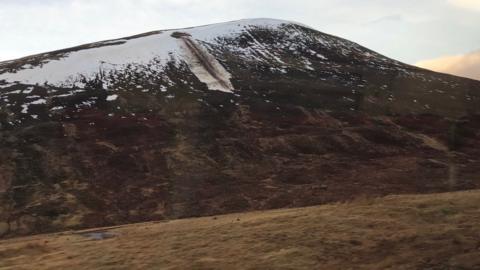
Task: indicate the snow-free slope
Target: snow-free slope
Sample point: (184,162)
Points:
(239,116)
(437,231)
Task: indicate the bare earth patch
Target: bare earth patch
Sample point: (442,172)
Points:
(439,231)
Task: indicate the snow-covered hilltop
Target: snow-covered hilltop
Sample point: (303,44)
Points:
(162,47)
(238,57)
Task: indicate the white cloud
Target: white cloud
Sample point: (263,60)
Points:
(467,65)
(467,4)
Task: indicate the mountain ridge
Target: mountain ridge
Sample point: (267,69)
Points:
(229,28)
(152,32)
(155,32)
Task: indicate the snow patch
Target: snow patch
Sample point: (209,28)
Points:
(112,97)
(24,108)
(57,108)
(39,101)
(28,90)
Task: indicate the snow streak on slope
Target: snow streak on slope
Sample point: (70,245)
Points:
(205,67)
(117,54)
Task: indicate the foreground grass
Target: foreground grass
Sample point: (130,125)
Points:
(439,231)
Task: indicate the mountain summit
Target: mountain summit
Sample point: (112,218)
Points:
(243,115)
(201,48)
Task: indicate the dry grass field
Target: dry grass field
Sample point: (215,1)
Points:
(438,231)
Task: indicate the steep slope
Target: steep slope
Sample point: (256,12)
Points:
(252,114)
(437,231)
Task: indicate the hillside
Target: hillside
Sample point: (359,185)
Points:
(246,115)
(435,232)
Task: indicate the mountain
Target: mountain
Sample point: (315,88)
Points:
(238,116)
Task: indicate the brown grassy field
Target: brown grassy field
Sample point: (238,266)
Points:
(438,231)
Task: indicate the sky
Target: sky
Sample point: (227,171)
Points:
(430,33)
